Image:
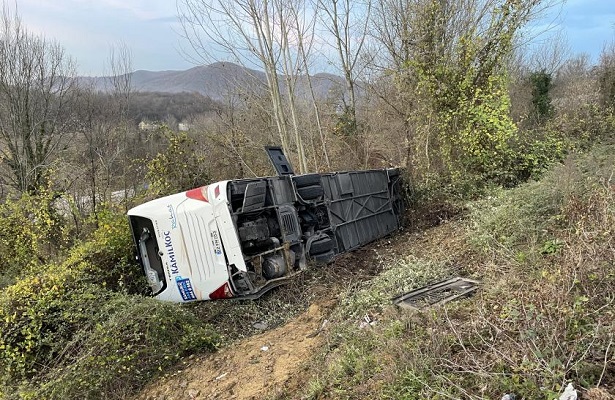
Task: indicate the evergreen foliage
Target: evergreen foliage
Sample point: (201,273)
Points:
(541,82)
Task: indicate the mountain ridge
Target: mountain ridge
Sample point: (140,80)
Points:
(216,81)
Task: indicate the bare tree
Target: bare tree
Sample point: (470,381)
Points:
(395,27)
(605,73)
(120,82)
(120,79)
(264,33)
(551,54)
(293,31)
(93,133)
(36,98)
(243,30)
(575,87)
(347,21)
(305,40)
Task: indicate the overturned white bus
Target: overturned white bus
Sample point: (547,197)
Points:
(241,238)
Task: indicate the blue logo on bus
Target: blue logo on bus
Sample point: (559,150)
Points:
(185,288)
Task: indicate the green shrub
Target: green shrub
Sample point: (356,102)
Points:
(180,167)
(33,237)
(62,338)
(38,315)
(70,330)
(106,256)
(31,233)
(132,339)
(534,152)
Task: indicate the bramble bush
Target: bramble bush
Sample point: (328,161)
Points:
(63,339)
(129,340)
(38,315)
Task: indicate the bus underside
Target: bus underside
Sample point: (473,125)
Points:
(285,221)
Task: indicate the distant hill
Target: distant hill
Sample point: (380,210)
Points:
(215,81)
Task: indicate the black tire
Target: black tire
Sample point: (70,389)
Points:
(310,192)
(307,180)
(320,246)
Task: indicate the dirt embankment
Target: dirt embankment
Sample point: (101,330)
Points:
(254,368)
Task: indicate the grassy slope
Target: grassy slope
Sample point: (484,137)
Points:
(545,253)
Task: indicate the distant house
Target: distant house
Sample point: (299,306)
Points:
(149,126)
(184,127)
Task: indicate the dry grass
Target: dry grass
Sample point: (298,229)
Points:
(545,315)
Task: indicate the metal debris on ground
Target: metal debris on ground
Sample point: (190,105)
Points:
(437,293)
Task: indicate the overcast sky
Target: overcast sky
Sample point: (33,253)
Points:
(87,29)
